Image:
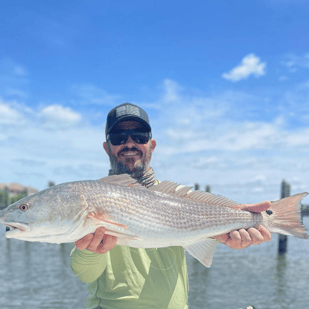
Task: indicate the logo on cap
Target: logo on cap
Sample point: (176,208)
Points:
(127,110)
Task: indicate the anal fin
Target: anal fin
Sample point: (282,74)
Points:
(203,250)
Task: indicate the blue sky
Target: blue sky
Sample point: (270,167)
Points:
(225,84)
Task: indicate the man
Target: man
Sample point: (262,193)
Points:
(123,277)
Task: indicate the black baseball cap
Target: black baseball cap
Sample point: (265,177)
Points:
(126,111)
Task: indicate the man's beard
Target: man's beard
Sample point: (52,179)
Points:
(140,167)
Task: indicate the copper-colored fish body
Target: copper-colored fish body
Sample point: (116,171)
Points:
(162,216)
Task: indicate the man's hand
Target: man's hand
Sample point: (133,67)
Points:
(253,236)
(97,242)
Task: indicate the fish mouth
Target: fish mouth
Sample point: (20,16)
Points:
(15,226)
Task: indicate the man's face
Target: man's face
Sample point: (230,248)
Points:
(131,157)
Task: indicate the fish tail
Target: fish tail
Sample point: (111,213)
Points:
(284,216)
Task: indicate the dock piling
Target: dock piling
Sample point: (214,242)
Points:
(283,239)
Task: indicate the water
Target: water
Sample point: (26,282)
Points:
(254,276)
(38,275)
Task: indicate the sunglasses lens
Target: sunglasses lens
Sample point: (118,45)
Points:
(140,138)
(121,138)
(117,139)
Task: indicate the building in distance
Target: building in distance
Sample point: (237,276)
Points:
(15,188)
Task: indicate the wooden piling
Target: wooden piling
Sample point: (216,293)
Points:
(7,198)
(283,239)
(196,186)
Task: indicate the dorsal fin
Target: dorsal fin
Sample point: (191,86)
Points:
(182,191)
(172,188)
(166,186)
(212,199)
(177,190)
(123,180)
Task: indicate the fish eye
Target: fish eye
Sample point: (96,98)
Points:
(23,207)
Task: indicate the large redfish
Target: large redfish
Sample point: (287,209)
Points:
(161,216)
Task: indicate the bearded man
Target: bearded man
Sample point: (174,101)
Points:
(131,278)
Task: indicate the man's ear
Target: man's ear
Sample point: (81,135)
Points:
(105,146)
(153,145)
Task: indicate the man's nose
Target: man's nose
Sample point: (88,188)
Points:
(130,141)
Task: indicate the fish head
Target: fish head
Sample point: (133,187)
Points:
(42,216)
(19,217)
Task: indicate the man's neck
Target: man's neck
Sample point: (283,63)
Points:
(147,179)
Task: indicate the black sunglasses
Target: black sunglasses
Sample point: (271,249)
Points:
(117,139)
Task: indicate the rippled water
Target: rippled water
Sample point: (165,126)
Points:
(253,276)
(38,275)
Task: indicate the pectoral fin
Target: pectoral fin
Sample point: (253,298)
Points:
(203,250)
(101,218)
(108,223)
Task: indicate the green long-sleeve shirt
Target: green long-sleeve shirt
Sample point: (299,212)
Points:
(133,278)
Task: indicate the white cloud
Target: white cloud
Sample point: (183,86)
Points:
(218,123)
(298,138)
(59,115)
(228,136)
(215,139)
(33,152)
(205,138)
(9,115)
(250,65)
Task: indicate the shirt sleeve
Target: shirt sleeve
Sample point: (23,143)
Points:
(86,265)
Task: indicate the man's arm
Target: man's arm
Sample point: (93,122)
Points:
(87,259)
(242,238)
